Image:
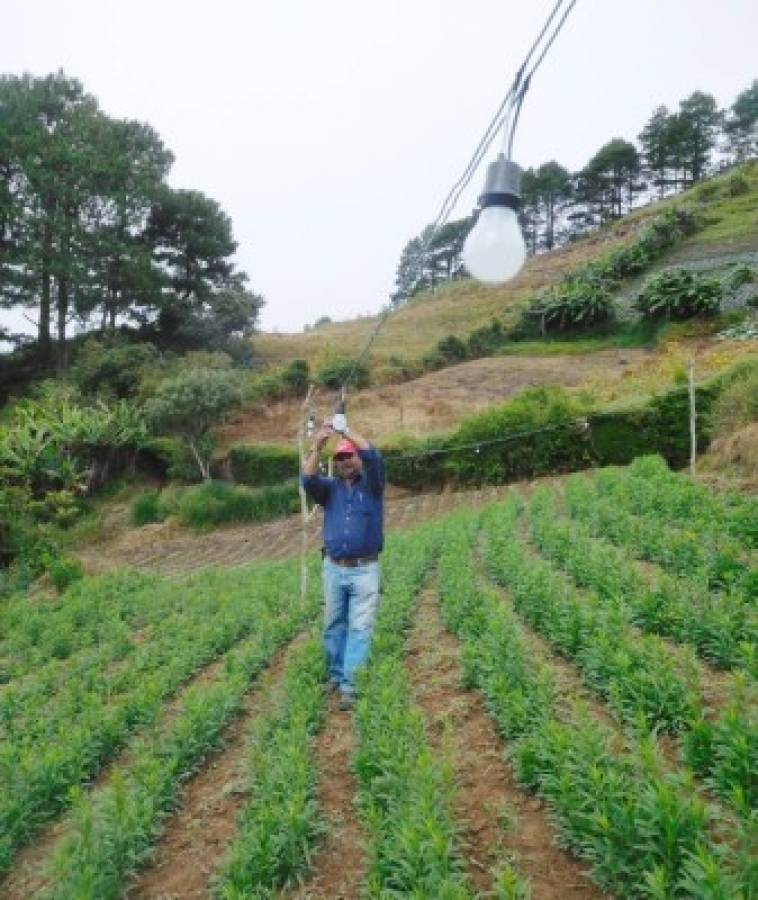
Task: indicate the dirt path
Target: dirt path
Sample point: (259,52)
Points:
(499,820)
(198,834)
(339,867)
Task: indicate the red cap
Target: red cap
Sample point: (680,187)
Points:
(345,446)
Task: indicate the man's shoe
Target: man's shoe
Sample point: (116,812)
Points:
(347,701)
(333,686)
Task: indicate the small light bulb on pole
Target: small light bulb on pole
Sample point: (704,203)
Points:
(494,250)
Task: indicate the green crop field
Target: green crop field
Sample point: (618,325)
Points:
(561,701)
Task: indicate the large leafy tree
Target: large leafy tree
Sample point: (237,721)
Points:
(122,260)
(45,142)
(191,243)
(88,226)
(530,212)
(429,259)
(445,249)
(409,277)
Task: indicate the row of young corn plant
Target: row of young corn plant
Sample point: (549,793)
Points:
(32,716)
(117,614)
(724,750)
(649,486)
(93,612)
(635,673)
(721,748)
(29,711)
(279,829)
(643,830)
(723,627)
(43,757)
(114,828)
(405,790)
(718,561)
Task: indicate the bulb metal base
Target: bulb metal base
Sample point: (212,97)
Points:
(502,186)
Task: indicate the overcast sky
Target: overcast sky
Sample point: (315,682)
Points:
(331,131)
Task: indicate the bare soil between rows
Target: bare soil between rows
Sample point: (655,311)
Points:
(30,872)
(199,833)
(339,867)
(499,820)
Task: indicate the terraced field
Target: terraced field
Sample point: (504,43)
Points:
(560,703)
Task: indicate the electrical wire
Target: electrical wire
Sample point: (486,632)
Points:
(528,79)
(578,424)
(507,114)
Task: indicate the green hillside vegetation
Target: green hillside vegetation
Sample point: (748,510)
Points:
(726,207)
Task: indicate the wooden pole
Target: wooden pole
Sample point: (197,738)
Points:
(693,417)
(301,436)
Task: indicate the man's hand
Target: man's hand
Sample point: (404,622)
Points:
(322,435)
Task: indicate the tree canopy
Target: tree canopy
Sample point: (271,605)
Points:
(91,232)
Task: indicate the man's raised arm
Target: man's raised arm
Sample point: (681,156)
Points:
(310,463)
(373,464)
(315,486)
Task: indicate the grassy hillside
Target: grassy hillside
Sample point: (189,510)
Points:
(461,307)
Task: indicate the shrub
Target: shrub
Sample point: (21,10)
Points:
(546,430)
(169,457)
(679,294)
(486,340)
(737,405)
(190,405)
(577,305)
(335,372)
(296,377)
(260,464)
(111,369)
(217,502)
(146,509)
(61,508)
(264,388)
(736,185)
(742,274)
(452,349)
(547,446)
(64,571)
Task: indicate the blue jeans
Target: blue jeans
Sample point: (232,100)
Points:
(352,598)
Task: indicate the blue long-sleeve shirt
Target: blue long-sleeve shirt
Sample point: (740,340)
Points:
(353,514)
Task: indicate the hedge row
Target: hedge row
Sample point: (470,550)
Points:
(541,431)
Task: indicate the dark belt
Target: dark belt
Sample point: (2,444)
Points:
(353,562)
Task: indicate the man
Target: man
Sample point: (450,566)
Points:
(353,539)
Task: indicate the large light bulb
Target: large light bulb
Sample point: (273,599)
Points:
(494,250)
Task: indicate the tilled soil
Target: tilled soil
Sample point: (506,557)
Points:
(168,550)
(339,867)
(199,833)
(30,872)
